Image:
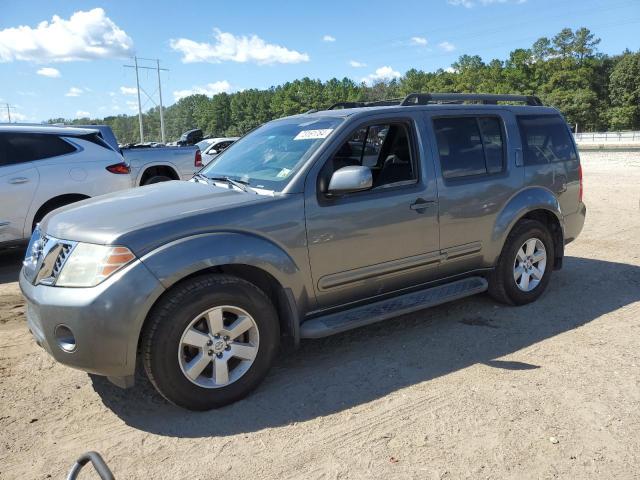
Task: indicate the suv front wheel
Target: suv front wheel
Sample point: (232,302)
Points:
(210,341)
(525,264)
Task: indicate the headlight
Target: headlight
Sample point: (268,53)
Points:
(89,264)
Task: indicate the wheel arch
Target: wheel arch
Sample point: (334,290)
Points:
(53,203)
(249,257)
(535,204)
(152,170)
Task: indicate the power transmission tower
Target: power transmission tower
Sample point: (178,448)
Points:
(150,97)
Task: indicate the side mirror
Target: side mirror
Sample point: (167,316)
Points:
(350,179)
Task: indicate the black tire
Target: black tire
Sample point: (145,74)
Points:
(502,285)
(172,315)
(157,179)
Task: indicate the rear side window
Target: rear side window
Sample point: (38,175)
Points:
(96,139)
(470,145)
(545,139)
(27,147)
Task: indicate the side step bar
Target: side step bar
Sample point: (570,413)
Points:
(384,309)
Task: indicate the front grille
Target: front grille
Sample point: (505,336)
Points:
(53,257)
(61,259)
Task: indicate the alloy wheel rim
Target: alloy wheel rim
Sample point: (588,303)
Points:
(218,346)
(530,264)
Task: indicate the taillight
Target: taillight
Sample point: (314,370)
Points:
(581,190)
(198,161)
(120,168)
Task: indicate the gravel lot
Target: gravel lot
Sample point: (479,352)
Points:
(466,390)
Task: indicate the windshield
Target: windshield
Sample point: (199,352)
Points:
(270,155)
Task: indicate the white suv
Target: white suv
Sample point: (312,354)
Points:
(43,168)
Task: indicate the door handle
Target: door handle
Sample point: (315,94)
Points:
(18,180)
(421,204)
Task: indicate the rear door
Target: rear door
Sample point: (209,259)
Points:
(18,183)
(475,164)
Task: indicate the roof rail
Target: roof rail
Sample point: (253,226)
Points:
(447,98)
(377,103)
(483,98)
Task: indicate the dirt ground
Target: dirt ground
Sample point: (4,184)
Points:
(466,390)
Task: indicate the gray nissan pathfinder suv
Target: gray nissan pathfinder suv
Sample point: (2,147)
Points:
(308,226)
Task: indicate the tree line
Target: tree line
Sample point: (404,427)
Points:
(594,91)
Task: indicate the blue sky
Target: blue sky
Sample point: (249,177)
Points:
(72,65)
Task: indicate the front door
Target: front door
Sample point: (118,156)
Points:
(384,239)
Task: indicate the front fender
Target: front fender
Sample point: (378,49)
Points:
(525,201)
(176,260)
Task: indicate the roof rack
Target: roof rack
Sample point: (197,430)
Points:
(445,98)
(377,103)
(483,98)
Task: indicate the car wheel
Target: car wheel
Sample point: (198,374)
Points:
(157,179)
(210,341)
(525,264)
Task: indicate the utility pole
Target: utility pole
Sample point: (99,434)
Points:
(9,107)
(139,104)
(150,97)
(160,95)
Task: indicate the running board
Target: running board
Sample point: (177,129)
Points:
(384,309)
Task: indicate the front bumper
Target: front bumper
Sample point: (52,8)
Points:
(105,320)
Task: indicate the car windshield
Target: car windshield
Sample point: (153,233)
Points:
(270,155)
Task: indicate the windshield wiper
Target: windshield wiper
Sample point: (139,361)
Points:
(241,184)
(201,177)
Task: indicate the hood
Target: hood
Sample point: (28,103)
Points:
(108,219)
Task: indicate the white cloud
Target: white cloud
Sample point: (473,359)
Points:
(82,114)
(473,3)
(382,74)
(242,49)
(447,46)
(74,92)
(419,41)
(133,106)
(328,38)
(356,64)
(86,35)
(209,90)
(49,72)
(128,91)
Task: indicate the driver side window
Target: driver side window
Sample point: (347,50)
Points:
(384,148)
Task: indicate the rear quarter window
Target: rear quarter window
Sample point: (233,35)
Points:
(27,147)
(545,139)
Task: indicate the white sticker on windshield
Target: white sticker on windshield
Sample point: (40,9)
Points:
(313,134)
(283,173)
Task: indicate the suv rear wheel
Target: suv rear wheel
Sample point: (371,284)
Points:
(210,341)
(525,264)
